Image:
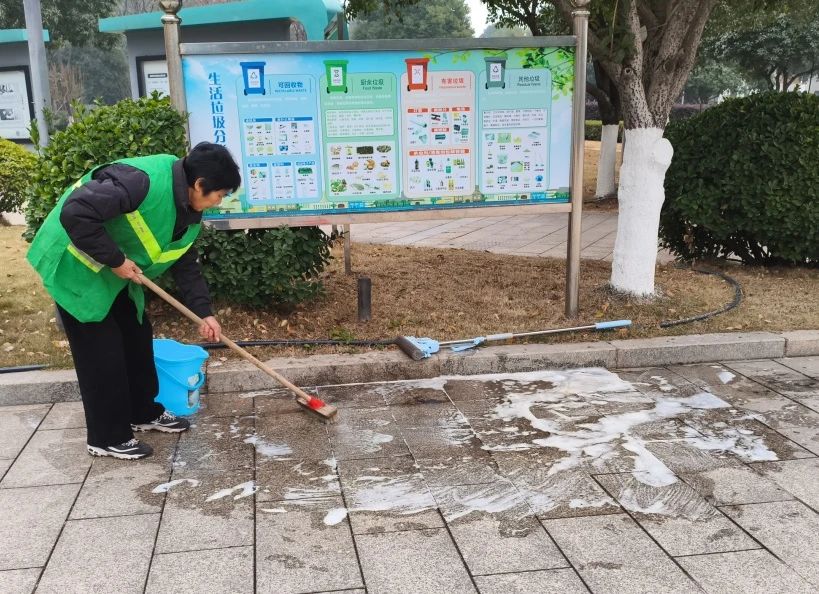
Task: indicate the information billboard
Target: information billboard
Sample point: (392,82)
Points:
(386,130)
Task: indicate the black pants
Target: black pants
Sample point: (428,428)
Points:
(114,359)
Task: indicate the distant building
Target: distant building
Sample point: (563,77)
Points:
(252,20)
(16,99)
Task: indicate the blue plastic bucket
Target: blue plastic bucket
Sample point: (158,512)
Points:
(179,368)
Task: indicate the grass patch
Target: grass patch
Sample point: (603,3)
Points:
(444,294)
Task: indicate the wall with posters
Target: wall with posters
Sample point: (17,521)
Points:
(16,101)
(330,132)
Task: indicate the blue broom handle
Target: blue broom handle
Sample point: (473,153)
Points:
(508,335)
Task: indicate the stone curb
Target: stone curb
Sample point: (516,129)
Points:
(36,387)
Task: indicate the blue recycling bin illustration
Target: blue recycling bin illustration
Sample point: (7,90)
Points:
(253,75)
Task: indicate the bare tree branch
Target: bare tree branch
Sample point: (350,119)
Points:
(668,79)
(647,16)
(596,46)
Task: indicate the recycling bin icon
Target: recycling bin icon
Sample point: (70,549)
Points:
(253,75)
(495,72)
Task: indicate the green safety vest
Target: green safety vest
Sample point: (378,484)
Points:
(85,288)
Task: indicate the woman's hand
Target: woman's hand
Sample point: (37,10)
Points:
(128,270)
(210,330)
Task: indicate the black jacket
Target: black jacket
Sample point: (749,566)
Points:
(118,189)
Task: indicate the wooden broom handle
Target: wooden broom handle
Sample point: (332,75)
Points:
(225,340)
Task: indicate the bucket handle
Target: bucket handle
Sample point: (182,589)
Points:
(186,385)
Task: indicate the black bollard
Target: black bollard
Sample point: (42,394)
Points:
(364,295)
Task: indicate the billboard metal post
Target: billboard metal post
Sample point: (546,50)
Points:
(171,24)
(39,69)
(581,27)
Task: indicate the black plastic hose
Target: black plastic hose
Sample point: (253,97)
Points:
(725,308)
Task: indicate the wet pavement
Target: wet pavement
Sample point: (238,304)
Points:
(670,479)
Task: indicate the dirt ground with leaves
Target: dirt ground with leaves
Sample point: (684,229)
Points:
(443,294)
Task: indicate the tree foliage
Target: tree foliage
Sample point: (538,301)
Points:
(67,21)
(772,47)
(443,18)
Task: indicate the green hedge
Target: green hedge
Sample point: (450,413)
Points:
(259,267)
(16,170)
(744,181)
(594,130)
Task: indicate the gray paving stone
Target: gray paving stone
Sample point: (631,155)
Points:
(216,571)
(684,456)
(305,548)
(681,521)
(355,395)
(366,433)
(38,387)
(554,581)
(4,466)
(744,393)
(17,424)
(800,343)
(19,581)
(191,522)
(695,348)
(658,381)
(429,416)
(323,370)
(294,480)
(412,561)
(564,494)
(387,494)
(64,415)
(806,437)
(88,557)
(50,458)
(807,365)
(275,401)
(528,357)
(495,530)
(798,477)
(216,444)
(744,572)
(30,521)
(747,439)
(303,434)
(474,468)
(738,485)
(613,554)
(451,434)
(789,529)
(120,490)
(768,372)
(391,393)
(230,404)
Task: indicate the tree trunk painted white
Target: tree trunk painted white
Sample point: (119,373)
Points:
(608,157)
(646,158)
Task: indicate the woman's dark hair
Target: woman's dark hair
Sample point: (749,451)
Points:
(215,165)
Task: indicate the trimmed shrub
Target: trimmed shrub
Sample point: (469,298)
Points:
(257,267)
(16,169)
(744,181)
(97,136)
(685,111)
(254,266)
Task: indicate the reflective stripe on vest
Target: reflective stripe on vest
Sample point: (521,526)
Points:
(149,242)
(84,258)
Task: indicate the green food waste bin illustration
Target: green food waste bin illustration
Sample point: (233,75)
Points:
(336,75)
